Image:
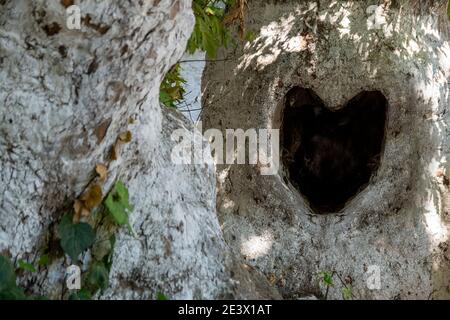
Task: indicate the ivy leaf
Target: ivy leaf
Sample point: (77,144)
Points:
(43,260)
(75,238)
(8,288)
(327,278)
(98,277)
(13,293)
(26,266)
(161,296)
(347,293)
(118,204)
(83,294)
(7,275)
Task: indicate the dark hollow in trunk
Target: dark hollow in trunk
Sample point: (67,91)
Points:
(330,156)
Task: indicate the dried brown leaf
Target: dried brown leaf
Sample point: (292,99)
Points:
(101,129)
(85,212)
(232,16)
(77,208)
(125,137)
(102,171)
(115,150)
(272,279)
(93,197)
(237,13)
(67,3)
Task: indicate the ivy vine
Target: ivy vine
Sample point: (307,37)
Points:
(210,33)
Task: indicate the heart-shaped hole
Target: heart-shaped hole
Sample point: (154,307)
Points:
(330,156)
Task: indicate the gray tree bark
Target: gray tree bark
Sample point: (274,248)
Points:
(399,223)
(65,98)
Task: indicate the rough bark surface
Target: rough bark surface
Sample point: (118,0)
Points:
(66,95)
(400,221)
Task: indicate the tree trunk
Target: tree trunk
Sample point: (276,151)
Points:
(66,98)
(390,239)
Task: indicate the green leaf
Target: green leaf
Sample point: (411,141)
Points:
(118,204)
(7,274)
(8,287)
(161,296)
(43,260)
(75,238)
(83,294)
(26,266)
(172,90)
(250,36)
(13,293)
(209,10)
(98,277)
(166,100)
(209,33)
(347,293)
(327,278)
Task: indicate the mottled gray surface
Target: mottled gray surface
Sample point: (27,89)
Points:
(56,90)
(65,97)
(179,249)
(400,221)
